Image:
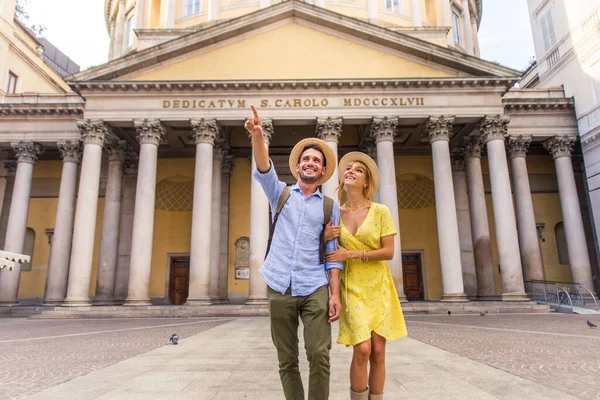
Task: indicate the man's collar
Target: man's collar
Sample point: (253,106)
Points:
(296,187)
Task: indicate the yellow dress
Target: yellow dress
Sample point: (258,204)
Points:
(369,299)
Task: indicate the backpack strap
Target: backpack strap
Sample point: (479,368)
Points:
(327,210)
(285,195)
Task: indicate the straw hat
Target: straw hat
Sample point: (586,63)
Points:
(363,158)
(330,157)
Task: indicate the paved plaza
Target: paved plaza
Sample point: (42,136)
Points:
(534,356)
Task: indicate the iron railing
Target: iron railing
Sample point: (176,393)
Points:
(563,295)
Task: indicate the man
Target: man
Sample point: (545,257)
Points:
(296,279)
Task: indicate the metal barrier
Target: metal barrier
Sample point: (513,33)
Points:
(561,294)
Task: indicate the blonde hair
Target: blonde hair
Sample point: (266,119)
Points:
(368,191)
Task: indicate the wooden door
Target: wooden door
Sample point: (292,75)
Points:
(179,280)
(412,276)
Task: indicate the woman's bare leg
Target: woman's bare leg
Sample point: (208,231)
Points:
(358,368)
(377,359)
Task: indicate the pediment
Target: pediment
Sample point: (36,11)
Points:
(293,40)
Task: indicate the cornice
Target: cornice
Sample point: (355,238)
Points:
(538,104)
(43,109)
(266,85)
(289,10)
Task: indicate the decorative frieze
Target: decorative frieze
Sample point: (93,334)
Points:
(457,156)
(117,150)
(93,131)
(150,131)
(70,151)
(560,146)
(329,129)
(517,146)
(384,129)
(439,128)
(28,152)
(494,127)
(472,146)
(204,130)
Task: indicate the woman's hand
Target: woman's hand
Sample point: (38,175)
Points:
(340,255)
(331,232)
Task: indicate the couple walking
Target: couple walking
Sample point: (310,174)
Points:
(323,271)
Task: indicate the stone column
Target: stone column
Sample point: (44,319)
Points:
(58,266)
(468,27)
(527,228)
(94,135)
(366,144)
(384,131)
(227,166)
(439,129)
(415,13)
(205,132)
(216,222)
(264,3)
(474,31)
(139,20)
(27,154)
(320,3)
(372,10)
(461,198)
(561,148)
(126,226)
(259,229)
(119,30)
(150,133)
(213,10)
(493,130)
(329,129)
(171,6)
(111,45)
(480,229)
(109,241)
(447,21)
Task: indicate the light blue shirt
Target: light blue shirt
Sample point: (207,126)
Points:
(294,255)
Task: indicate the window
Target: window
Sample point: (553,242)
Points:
(457,29)
(129,33)
(193,7)
(561,244)
(548,34)
(11,86)
(393,6)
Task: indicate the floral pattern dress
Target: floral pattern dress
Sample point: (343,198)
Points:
(369,299)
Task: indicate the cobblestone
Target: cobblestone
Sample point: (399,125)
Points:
(557,350)
(38,354)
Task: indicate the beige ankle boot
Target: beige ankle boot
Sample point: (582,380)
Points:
(359,396)
(375,396)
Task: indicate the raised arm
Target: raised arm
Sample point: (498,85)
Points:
(259,150)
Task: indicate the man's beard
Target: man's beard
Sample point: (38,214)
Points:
(308,179)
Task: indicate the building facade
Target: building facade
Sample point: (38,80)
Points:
(145,184)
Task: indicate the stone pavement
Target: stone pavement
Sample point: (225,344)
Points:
(234,359)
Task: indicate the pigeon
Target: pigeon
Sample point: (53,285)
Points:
(591,324)
(482,314)
(174,338)
(449,312)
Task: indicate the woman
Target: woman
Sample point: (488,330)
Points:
(371,312)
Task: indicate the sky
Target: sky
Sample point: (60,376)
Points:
(78,29)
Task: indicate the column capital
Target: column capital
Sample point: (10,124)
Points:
(494,127)
(70,151)
(117,150)
(227,165)
(150,131)
(204,130)
(329,129)
(93,131)
(560,146)
(27,152)
(578,163)
(473,146)
(131,161)
(439,128)
(457,156)
(384,129)
(518,146)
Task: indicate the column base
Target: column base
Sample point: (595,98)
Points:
(515,296)
(104,302)
(402,298)
(52,303)
(256,301)
(137,302)
(454,298)
(76,303)
(9,303)
(494,297)
(219,301)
